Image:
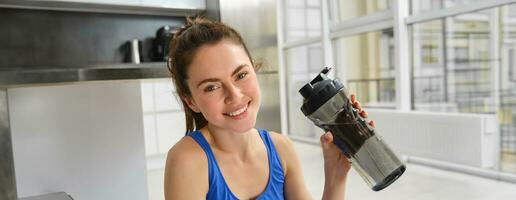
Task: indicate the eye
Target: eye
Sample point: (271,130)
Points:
(242,75)
(210,88)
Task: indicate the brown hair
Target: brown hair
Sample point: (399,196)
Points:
(197,32)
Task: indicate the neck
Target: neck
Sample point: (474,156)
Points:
(229,141)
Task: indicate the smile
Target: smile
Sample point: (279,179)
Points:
(237,112)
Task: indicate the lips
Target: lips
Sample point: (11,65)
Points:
(238,111)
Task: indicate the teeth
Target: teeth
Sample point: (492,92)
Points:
(238,112)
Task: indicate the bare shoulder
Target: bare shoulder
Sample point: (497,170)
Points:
(295,187)
(186,171)
(281,142)
(285,148)
(184,151)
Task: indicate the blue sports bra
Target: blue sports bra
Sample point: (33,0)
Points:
(218,186)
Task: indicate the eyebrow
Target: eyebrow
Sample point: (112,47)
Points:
(216,79)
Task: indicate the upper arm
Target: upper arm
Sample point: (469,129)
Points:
(186,173)
(295,187)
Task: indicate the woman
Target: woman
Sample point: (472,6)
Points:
(223,156)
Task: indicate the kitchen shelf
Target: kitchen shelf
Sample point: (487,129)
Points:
(36,75)
(16,77)
(104,7)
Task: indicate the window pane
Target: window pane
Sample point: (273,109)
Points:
(452,64)
(428,62)
(303,63)
(422,6)
(507,111)
(348,9)
(366,61)
(302,20)
(512,63)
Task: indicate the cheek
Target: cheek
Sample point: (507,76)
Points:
(209,104)
(253,88)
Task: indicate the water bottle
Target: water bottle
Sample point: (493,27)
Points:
(327,105)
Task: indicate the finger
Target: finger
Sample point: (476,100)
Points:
(372,123)
(353,98)
(329,150)
(357,105)
(363,113)
(326,139)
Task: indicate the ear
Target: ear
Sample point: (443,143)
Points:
(191,104)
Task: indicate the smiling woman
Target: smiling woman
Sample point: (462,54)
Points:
(223,156)
(194,38)
(223,83)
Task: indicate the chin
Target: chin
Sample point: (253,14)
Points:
(244,127)
(241,128)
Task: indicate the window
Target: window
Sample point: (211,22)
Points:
(350,9)
(366,62)
(302,19)
(472,59)
(423,6)
(303,63)
(306,51)
(461,55)
(512,65)
(452,63)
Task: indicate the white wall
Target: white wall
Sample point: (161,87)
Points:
(85,139)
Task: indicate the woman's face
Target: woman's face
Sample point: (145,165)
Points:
(224,87)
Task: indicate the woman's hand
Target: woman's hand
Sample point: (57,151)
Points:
(336,164)
(356,105)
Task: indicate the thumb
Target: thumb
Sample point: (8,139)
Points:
(326,140)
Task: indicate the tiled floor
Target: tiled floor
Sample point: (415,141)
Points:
(418,183)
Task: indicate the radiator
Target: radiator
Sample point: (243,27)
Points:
(466,139)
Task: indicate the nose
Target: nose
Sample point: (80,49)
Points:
(233,94)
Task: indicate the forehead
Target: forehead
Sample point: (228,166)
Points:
(217,59)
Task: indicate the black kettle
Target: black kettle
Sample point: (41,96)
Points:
(160,44)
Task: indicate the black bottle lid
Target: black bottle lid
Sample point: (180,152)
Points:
(319,91)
